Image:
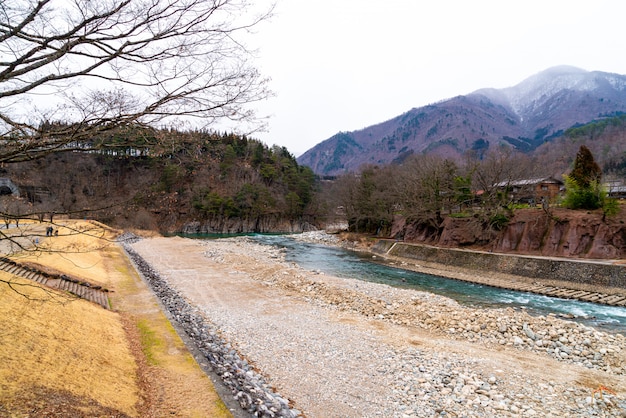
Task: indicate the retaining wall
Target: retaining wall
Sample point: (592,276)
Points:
(575,271)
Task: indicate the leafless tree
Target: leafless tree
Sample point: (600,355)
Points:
(364,199)
(496,171)
(425,188)
(71,70)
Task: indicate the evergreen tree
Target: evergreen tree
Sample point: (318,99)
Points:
(586,171)
(583,183)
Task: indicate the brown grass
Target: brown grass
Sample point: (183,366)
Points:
(65,347)
(73,358)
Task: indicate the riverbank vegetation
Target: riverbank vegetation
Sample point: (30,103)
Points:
(161,180)
(435,200)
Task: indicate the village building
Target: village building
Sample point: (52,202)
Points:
(532,191)
(615,189)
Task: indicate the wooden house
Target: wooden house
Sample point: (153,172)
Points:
(532,191)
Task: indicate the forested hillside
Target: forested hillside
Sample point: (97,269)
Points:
(167,180)
(502,200)
(606,138)
(208,182)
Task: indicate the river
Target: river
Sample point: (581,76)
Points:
(344,263)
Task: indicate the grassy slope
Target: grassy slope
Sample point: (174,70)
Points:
(68,356)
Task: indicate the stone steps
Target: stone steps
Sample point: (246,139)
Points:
(79,289)
(565,293)
(559,292)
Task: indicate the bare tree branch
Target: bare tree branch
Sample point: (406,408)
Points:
(114,63)
(36,292)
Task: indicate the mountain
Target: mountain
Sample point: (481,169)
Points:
(524,116)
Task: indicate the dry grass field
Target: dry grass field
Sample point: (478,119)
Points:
(62,356)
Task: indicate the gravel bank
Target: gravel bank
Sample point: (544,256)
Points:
(248,388)
(340,348)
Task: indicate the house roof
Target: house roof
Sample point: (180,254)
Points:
(528,182)
(617,189)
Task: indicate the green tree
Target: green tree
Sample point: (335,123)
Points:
(586,171)
(268,173)
(582,186)
(463,190)
(254,201)
(228,160)
(258,154)
(294,205)
(577,197)
(170,175)
(367,200)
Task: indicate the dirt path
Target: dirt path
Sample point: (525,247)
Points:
(334,358)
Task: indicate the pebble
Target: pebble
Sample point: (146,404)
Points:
(413,382)
(248,387)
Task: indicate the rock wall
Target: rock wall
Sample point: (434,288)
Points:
(244,226)
(565,233)
(576,271)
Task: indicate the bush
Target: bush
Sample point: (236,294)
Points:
(580,197)
(498,221)
(610,207)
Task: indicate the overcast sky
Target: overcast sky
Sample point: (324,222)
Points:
(342,65)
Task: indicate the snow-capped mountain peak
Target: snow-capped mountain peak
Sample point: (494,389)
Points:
(523,117)
(532,93)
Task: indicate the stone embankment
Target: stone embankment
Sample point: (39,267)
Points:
(438,358)
(565,341)
(248,388)
(572,279)
(455,382)
(240,226)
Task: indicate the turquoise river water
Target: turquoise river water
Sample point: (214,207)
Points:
(344,263)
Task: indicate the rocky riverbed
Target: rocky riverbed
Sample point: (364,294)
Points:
(326,347)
